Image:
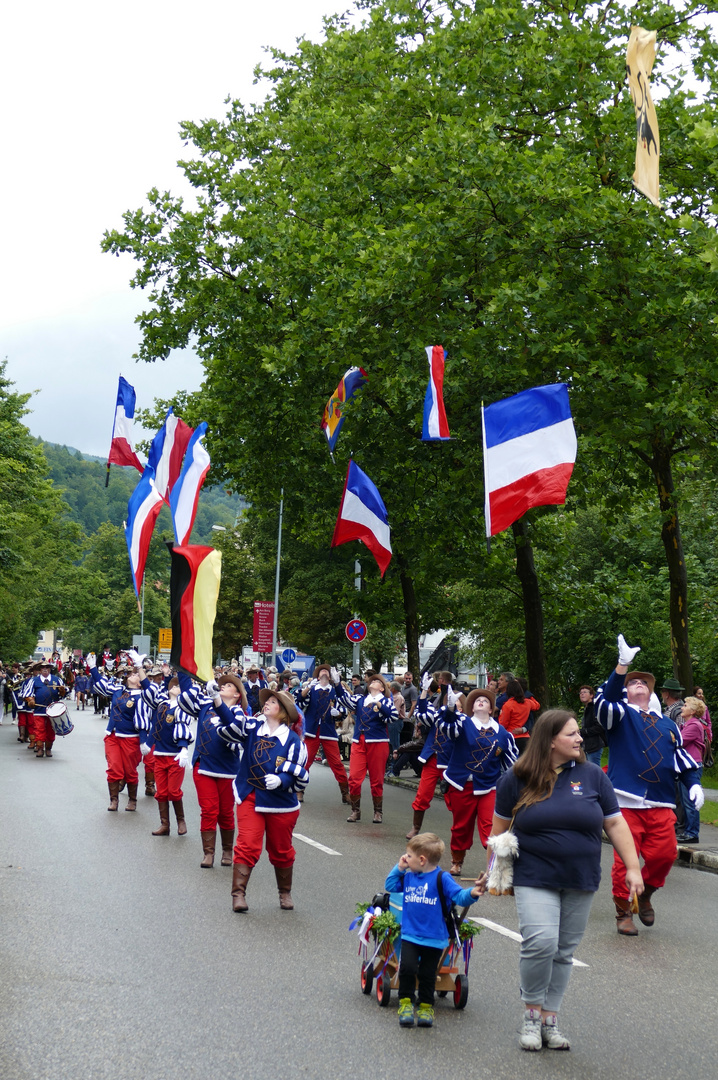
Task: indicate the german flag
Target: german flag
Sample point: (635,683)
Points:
(194,587)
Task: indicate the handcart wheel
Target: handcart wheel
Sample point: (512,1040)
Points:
(442,993)
(383,989)
(367,977)
(461,991)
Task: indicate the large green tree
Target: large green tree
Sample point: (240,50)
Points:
(454,173)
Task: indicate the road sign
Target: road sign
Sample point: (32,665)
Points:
(289,656)
(262,633)
(356,630)
(164,643)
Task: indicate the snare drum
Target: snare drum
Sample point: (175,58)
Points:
(57,715)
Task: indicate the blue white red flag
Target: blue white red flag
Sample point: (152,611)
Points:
(332,420)
(185,493)
(166,453)
(436,426)
(121,452)
(142,509)
(363,516)
(529,453)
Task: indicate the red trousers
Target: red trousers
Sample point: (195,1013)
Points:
(367,758)
(653,833)
(123,756)
(468,809)
(41,729)
(430,776)
(216,801)
(252,827)
(149,762)
(168,779)
(23,719)
(331,752)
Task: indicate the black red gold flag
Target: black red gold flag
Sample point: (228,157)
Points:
(194,588)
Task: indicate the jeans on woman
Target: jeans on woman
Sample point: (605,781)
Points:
(692,822)
(552,923)
(595,756)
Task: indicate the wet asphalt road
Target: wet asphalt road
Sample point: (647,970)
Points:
(121,960)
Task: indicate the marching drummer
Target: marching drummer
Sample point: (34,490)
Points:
(44,688)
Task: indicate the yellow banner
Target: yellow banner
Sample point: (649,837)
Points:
(640,55)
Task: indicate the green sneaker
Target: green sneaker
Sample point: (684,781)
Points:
(425,1016)
(406,1012)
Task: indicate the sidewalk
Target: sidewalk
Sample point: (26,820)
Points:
(701,856)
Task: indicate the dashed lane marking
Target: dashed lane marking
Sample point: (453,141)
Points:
(314,843)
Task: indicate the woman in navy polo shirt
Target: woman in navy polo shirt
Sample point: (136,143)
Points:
(559,803)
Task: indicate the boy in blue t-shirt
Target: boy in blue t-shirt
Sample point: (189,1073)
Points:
(424,934)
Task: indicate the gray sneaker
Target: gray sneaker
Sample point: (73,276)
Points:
(530,1035)
(551,1036)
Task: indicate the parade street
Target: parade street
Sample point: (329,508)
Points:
(122,959)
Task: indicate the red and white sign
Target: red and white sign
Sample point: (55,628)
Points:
(262,637)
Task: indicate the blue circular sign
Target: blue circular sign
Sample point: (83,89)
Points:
(289,656)
(356,630)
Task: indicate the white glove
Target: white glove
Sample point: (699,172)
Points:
(212,687)
(451,697)
(145,748)
(136,657)
(91,660)
(271,782)
(335,676)
(625,652)
(695,794)
(214,721)
(337,712)
(182,758)
(425,681)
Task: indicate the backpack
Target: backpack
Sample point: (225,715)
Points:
(451,918)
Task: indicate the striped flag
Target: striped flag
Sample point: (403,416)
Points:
(529,453)
(332,420)
(166,452)
(363,516)
(436,426)
(194,587)
(143,507)
(121,452)
(185,493)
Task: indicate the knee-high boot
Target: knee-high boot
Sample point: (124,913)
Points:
(356,810)
(209,840)
(344,788)
(114,787)
(457,862)
(149,782)
(131,797)
(378,811)
(417,823)
(284,885)
(624,919)
(179,814)
(164,829)
(645,908)
(240,876)
(227,837)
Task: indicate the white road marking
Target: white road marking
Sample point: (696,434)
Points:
(509,933)
(314,843)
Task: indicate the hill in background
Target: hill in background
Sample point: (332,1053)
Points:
(81,478)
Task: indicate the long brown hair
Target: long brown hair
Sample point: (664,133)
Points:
(534,767)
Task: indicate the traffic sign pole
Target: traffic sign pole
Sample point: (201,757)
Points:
(356,650)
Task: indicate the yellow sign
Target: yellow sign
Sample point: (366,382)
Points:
(165,640)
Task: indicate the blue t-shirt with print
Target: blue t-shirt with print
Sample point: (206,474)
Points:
(560,837)
(422,918)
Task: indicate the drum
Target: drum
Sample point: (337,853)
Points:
(57,715)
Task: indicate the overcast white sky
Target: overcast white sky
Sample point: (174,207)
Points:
(92,96)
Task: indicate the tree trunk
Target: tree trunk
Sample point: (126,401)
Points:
(677,573)
(411,622)
(533,613)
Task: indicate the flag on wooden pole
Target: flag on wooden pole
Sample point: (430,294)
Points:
(194,587)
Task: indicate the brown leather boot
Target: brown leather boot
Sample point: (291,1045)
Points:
(179,814)
(48,749)
(344,788)
(209,839)
(150,783)
(240,876)
(164,829)
(114,787)
(416,827)
(284,885)
(645,908)
(624,919)
(457,862)
(39,749)
(356,810)
(227,838)
(378,811)
(131,797)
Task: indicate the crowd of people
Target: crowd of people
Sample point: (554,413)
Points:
(251,736)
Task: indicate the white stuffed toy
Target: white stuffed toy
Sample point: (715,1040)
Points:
(505,848)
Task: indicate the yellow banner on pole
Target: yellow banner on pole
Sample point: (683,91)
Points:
(165,640)
(640,55)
